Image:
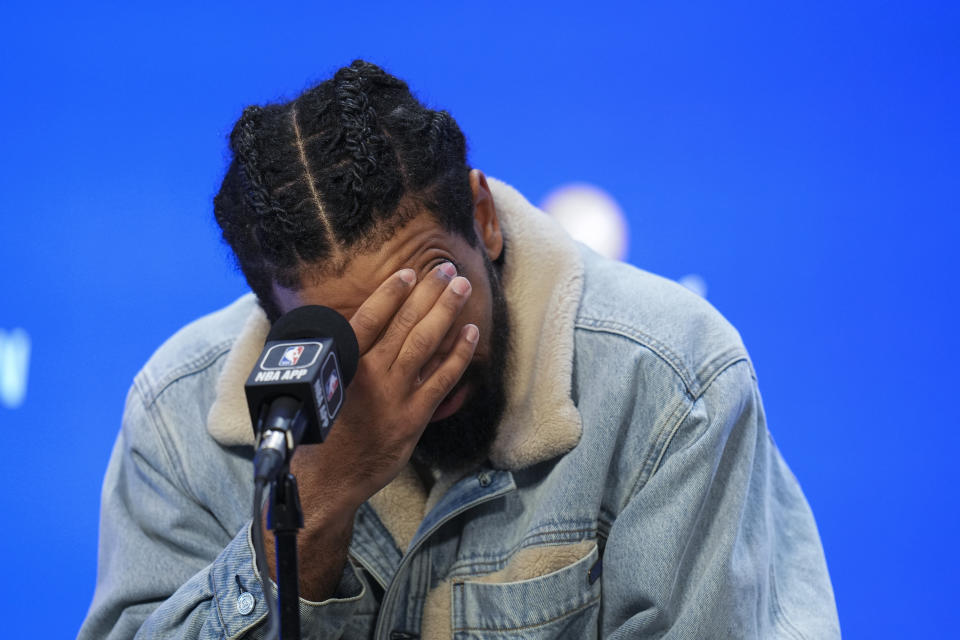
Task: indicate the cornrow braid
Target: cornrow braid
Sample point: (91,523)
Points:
(337,169)
(271,218)
(360,138)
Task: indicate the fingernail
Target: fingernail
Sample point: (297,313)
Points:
(472,333)
(460,286)
(448,269)
(407,275)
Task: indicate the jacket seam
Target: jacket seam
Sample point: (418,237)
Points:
(643,339)
(554,528)
(151,409)
(677,419)
(661,452)
(527,543)
(151,420)
(735,359)
(659,434)
(243,630)
(587,605)
(189,368)
(695,387)
(605,521)
(780,615)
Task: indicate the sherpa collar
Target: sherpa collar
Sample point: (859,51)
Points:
(543,281)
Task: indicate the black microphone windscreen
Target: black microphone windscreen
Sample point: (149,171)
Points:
(316,321)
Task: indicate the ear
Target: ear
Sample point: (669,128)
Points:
(485,220)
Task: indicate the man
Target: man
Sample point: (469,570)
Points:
(538,442)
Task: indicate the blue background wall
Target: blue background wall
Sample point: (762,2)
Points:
(800,157)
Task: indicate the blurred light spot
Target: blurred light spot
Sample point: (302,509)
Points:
(14,364)
(590,215)
(695,283)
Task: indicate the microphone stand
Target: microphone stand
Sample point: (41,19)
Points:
(285,518)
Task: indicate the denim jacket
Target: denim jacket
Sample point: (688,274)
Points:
(633,489)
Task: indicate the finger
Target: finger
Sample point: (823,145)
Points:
(425,338)
(376,311)
(413,309)
(442,381)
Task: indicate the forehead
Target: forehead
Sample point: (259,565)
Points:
(420,245)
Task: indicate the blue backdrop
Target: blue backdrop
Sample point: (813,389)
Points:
(801,158)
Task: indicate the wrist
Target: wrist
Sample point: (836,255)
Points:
(330,516)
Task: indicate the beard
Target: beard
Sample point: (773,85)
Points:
(463,439)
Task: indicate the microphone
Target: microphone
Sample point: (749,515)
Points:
(297,387)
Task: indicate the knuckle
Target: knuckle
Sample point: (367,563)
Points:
(366,320)
(363,367)
(420,344)
(408,362)
(365,371)
(441,383)
(406,318)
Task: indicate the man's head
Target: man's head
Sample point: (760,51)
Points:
(335,171)
(329,194)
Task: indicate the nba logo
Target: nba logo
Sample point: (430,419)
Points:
(291,356)
(333,383)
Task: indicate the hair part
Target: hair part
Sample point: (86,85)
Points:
(335,171)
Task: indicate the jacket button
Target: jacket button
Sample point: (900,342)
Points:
(484,479)
(245,603)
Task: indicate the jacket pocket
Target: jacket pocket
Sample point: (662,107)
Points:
(559,603)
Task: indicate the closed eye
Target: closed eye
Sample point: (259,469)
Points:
(432,264)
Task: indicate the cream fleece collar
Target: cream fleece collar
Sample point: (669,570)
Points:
(543,281)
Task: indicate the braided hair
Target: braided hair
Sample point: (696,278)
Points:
(338,169)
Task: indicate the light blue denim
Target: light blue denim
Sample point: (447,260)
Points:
(702,529)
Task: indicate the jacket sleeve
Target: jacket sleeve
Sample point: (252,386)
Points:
(168,569)
(719,542)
